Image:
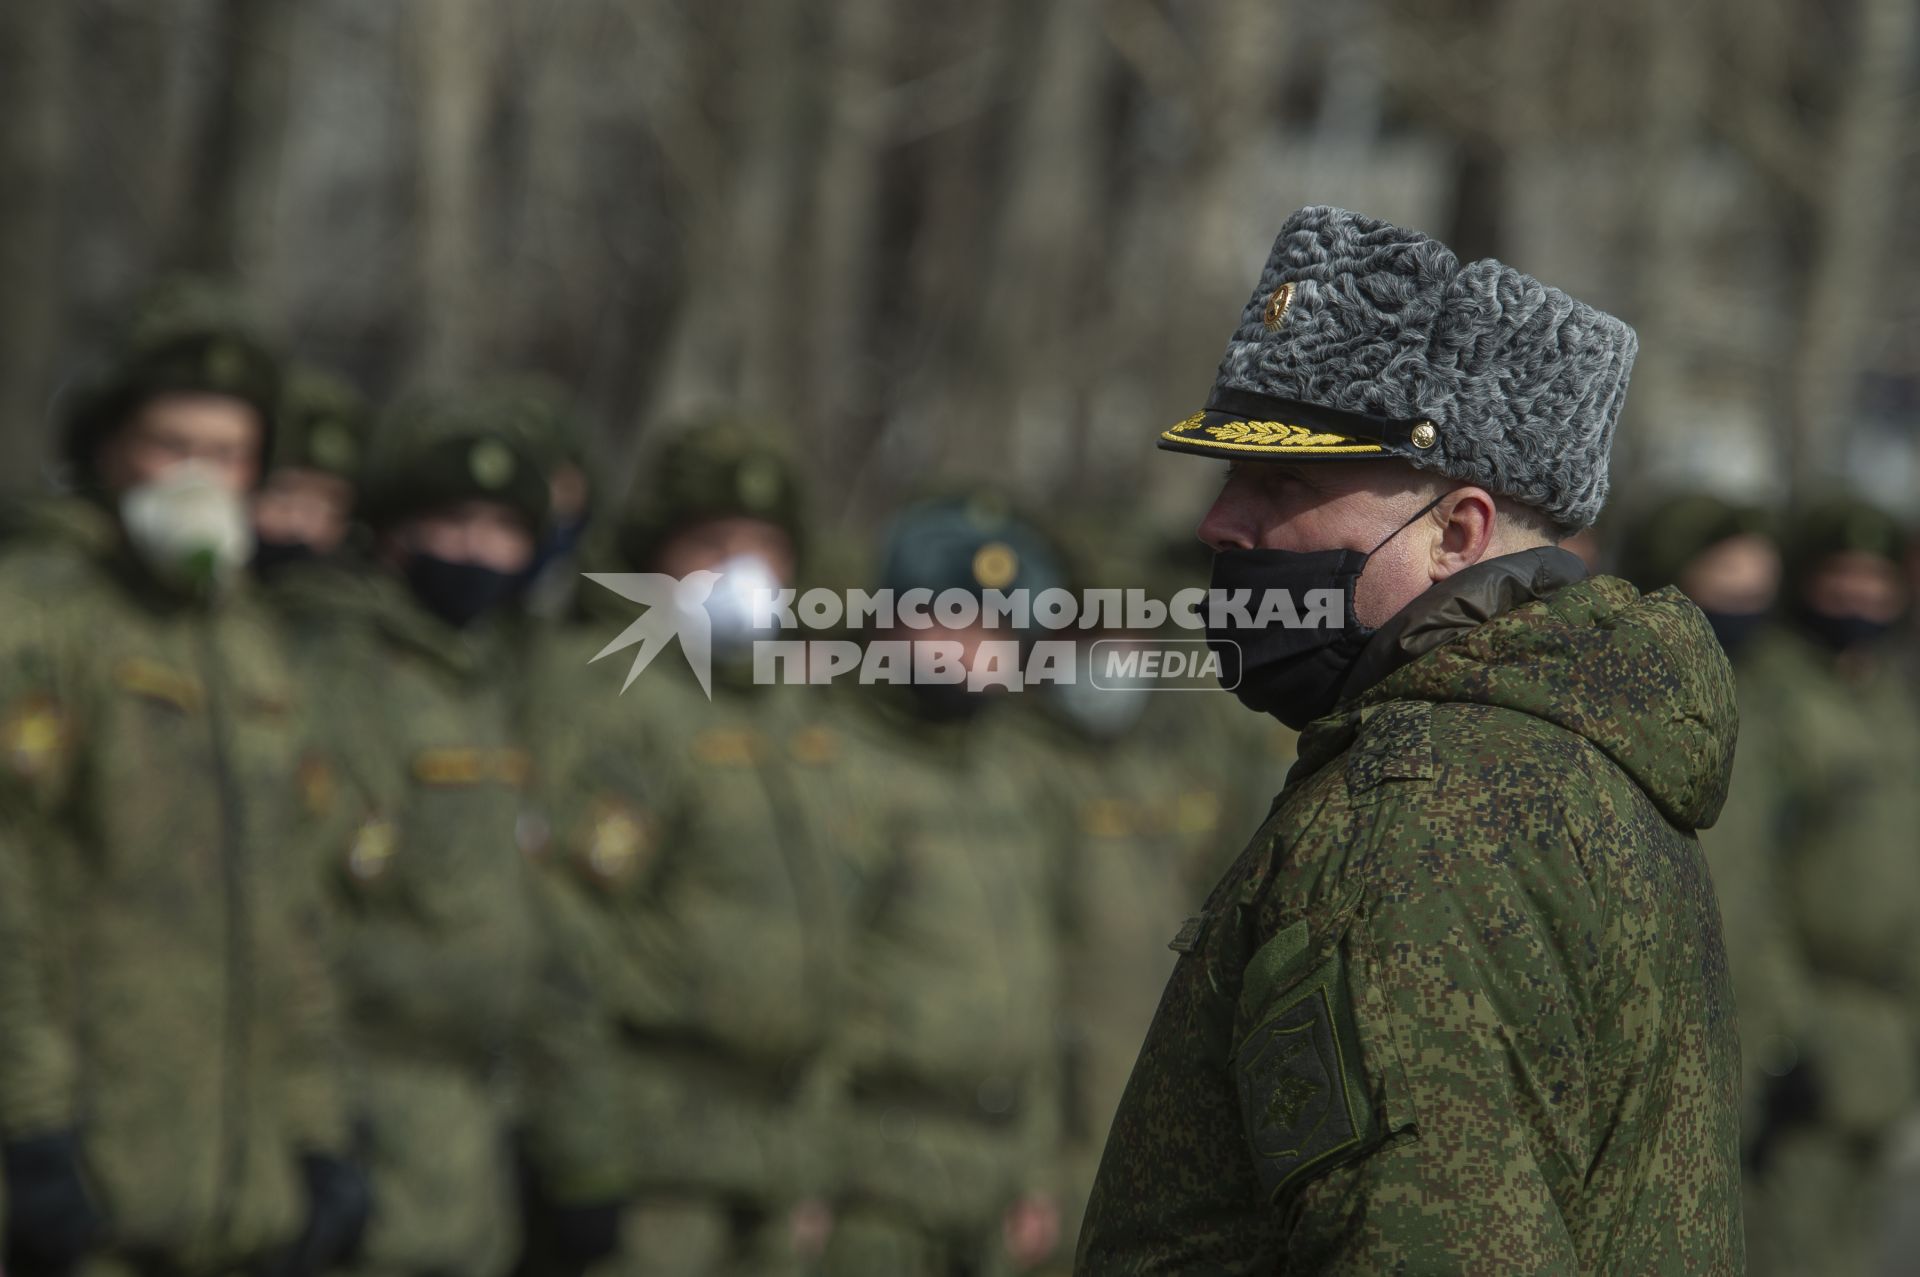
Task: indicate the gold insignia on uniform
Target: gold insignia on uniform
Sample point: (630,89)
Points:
(331,446)
(1266,436)
(315,778)
(618,844)
(158,682)
(726,747)
(812,746)
(1424,434)
(1278,304)
(34,735)
(995,565)
(757,483)
(466,765)
(374,846)
(491,463)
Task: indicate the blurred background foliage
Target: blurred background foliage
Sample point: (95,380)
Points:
(995,239)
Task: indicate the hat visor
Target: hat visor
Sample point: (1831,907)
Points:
(1226,434)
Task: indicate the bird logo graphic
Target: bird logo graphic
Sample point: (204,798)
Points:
(675,607)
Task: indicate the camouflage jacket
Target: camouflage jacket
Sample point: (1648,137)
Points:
(1461,1005)
(465,1016)
(949,1045)
(1819,843)
(705,900)
(162,986)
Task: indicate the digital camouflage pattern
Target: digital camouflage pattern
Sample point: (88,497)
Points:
(161,980)
(1461,1005)
(691,834)
(1829,807)
(445,939)
(949,1050)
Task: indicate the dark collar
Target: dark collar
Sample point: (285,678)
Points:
(1464,600)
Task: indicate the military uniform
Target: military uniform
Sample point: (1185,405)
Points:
(466,1019)
(690,830)
(1473,958)
(1125,887)
(1829,745)
(1462,1003)
(689,823)
(950,1054)
(950,1051)
(162,992)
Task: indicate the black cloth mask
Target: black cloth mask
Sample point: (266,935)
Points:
(459,593)
(1294,673)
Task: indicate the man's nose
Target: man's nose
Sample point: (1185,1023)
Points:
(1225,526)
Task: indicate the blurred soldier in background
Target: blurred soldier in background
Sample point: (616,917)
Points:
(541,411)
(690,825)
(1233,762)
(304,509)
(445,936)
(1100,742)
(951,1118)
(1724,557)
(169,1092)
(1829,749)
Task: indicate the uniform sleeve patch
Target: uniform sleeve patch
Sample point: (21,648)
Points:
(159,682)
(1303,1097)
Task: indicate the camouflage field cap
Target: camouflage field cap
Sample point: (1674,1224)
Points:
(438,448)
(217,361)
(715,467)
(1838,525)
(1667,538)
(324,424)
(1366,341)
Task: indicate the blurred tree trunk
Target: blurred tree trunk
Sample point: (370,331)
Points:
(844,226)
(35,85)
(228,222)
(1868,141)
(450,51)
(1654,207)
(737,340)
(1039,322)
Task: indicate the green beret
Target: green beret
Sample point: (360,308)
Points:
(434,449)
(715,468)
(974,542)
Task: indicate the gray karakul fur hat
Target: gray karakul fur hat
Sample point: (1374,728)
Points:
(1366,340)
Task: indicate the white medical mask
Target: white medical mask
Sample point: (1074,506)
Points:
(189,528)
(742,596)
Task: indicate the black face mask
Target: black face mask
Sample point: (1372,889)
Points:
(459,593)
(1733,629)
(1294,674)
(1842,633)
(269,557)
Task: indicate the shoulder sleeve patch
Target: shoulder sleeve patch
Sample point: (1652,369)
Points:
(1395,743)
(1303,1097)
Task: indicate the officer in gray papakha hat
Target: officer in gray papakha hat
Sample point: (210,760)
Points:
(1462,1004)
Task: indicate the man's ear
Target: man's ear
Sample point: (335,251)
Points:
(1467,518)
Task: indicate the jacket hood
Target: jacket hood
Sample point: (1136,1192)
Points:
(1641,676)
